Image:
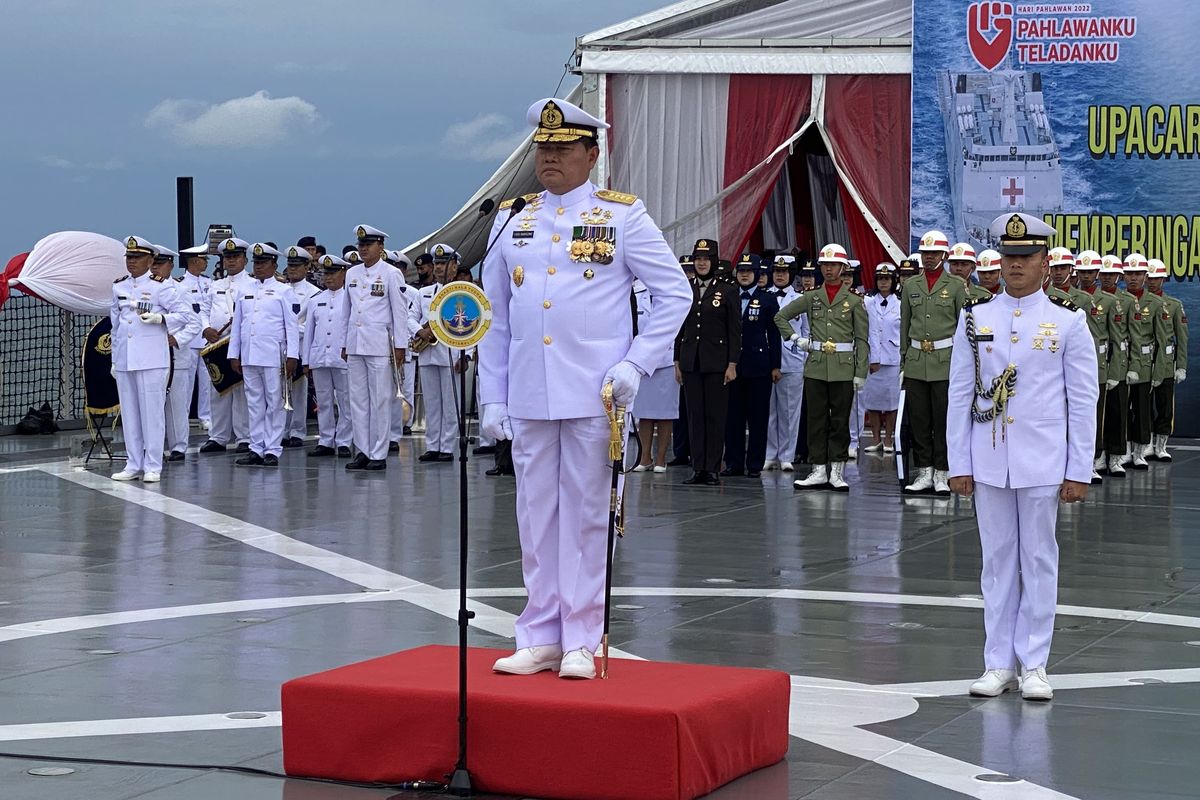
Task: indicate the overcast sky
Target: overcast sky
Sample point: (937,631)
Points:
(294,116)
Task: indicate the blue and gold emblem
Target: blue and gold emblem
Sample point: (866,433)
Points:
(460,315)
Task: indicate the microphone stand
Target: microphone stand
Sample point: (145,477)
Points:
(460,779)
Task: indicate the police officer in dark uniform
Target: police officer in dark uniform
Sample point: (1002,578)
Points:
(706,354)
(758,369)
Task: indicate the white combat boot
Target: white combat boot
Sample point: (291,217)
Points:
(836,481)
(1139,456)
(1115,470)
(1100,464)
(923,481)
(1160,448)
(817,479)
(941,481)
(1126,457)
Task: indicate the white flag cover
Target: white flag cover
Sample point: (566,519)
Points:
(74,270)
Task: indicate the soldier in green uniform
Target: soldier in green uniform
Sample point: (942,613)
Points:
(1100,313)
(961,263)
(1143,344)
(1062,264)
(836,367)
(929,309)
(1116,405)
(1170,367)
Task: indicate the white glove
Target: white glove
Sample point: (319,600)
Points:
(1110,384)
(113,370)
(495,423)
(799,343)
(1155,384)
(151,318)
(1180,375)
(859,383)
(1130,377)
(901,379)
(625,379)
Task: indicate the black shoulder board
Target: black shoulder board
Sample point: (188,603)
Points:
(157,279)
(122,278)
(1064,302)
(179,278)
(978,301)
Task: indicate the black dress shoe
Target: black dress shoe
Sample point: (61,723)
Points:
(753,473)
(250,460)
(484,450)
(375,465)
(445,456)
(270,460)
(428,455)
(322,450)
(176,456)
(710,479)
(497,471)
(679,462)
(697,479)
(407,431)
(212,447)
(359,462)
(343,452)
(243,447)
(730,472)
(393,447)
(292,441)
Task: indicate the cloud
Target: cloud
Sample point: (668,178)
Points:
(256,121)
(58,162)
(320,68)
(487,137)
(55,162)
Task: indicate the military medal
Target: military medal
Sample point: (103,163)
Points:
(377,288)
(518,276)
(588,274)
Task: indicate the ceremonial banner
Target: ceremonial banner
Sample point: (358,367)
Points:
(1084,114)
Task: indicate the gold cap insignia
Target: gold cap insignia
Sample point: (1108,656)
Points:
(258,251)
(1016,227)
(230,245)
(702,244)
(439,251)
(327,261)
(132,243)
(361,232)
(292,253)
(552,116)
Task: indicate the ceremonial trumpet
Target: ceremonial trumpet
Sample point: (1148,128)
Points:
(398,376)
(418,343)
(287,384)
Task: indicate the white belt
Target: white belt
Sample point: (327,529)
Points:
(1102,347)
(928,346)
(831,347)
(1147,348)
(1169,349)
(1124,345)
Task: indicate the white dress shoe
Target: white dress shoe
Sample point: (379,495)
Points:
(151,477)
(641,468)
(836,480)
(923,482)
(851,453)
(772,464)
(816,479)
(1035,686)
(786,466)
(941,482)
(873,448)
(659,470)
(126,475)
(994,683)
(578,664)
(888,450)
(1114,467)
(529,660)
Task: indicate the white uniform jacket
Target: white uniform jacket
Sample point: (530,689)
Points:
(558,280)
(264,325)
(137,345)
(325,330)
(224,299)
(302,294)
(793,359)
(1048,432)
(375,311)
(883,335)
(196,291)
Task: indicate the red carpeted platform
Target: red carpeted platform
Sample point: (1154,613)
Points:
(652,731)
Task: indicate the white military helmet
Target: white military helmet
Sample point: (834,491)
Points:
(934,242)
(987,261)
(1088,259)
(1157,268)
(833,254)
(1061,257)
(962,251)
(1136,262)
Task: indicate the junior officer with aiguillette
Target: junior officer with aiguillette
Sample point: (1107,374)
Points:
(559,280)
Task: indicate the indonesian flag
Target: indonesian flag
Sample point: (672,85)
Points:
(73,270)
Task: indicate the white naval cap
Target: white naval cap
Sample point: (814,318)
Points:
(784,262)
(1020,234)
(934,242)
(352,257)
(137,246)
(1088,259)
(365,233)
(557,120)
(397,257)
(1158,269)
(987,261)
(264,252)
(1061,257)
(298,253)
(162,253)
(198,250)
(962,251)
(1136,262)
(1111,265)
(333,263)
(233,245)
(833,254)
(442,253)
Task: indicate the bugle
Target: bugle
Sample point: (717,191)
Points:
(287,382)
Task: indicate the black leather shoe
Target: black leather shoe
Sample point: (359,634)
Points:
(291,441)
(428,455)
(212,447)
(407,431)
(393,447)
(270,460)
(697,479)
(711,479)
(176,456)
(730,472)
(343,452)
(322,450)
(250,460)
(445,456)
(359,462)
(243,447)
(484,450)
(375,465)
(497,471)
(679,462)
(753,473)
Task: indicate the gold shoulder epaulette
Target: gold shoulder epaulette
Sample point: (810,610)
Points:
(978,301)
(529,198)
(617,197)
(122,278)
(1064,302)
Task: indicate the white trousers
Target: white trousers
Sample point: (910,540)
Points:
(179,398)
(787,400)
(370,404)
(441,417)
(1020,573)
(563,485)
(408,385)
(264,403)
(297,418)
(204,390)
(333,406)
(143,393)
(856,422)
(230,424)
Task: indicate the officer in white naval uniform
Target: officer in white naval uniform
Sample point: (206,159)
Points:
(377,333)
(402,408)
(264,347)
(196,289)
(229,419)
(296,275)
(439,367)
(145,310)
(1020,431)
(559,280)
(182,372)
(324,338)
(787,396)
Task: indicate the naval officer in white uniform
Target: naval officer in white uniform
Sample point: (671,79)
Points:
(296,276)
(1020,431)
(324,339)
(439,366)
(559,281)
(263,347)
(196,290)
(377,333)
(229,420)
(145,311)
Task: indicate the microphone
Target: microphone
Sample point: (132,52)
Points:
(485,208)
(517,207)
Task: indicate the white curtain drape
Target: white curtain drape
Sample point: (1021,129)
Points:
(74,270)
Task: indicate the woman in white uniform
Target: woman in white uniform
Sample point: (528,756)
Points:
(881,394)
(656,406)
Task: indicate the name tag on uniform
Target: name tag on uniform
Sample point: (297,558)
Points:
(320,304)
(915,296)
(522,234)
(985,337)
(248,297)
